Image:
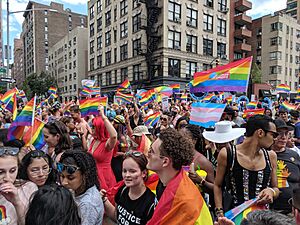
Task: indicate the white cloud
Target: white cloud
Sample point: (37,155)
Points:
(265,7)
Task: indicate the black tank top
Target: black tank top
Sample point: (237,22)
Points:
(246,184)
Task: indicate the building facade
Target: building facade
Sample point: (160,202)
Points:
(68,62)
(293,8)
(155,42)
(17,70)
(42,29)
(240,32)
(276,49)
(1,37)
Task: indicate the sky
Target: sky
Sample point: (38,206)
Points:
(259,8)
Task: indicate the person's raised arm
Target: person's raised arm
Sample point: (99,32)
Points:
(111,142)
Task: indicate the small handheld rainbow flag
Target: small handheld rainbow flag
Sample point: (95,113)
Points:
(148,97)
(34,136)
(251,105)
(25,118)
(125,85)
(152,119)
(12,106)
(176,87)
(52,90)
(251,112)
(90,106)
(183,97)
(283,88)
(288,106)
(208,97)
(7,95)
(127,98)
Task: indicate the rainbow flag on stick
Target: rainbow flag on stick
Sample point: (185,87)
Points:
(183,97)
(283,88)
(251,112)
(289,106)
(127,98)
(34,136)
(176,87)
(148,97)
(12,106)
(251,105)
(152,119)
(206,114)
(231,77)
(52,90)
(125,86)
(90,106)
(240,212)
(7,95)
(181,203)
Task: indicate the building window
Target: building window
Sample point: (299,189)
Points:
(99,24)
(136,47)
(99,6)
(123,7)
(99,61)
(207,22)
(207,47)
(275,69)
(92,47)
(107,3)
(74,64)
(221,50)
(124,29)
(108,58)
(108,78)
(99,42)
(92,30)
(174,68)
(115,55)
(209,3)
(137,75)
(92,64)
(276,26)
(191,45)
(74,75)
(123,52)
(190,69)
(92,12)
(222,5)
(136,23)
(206,67)
(124,73)
(74,41)
(192,16)
(108,18)
(174,40)
(75,87)
(107,38)
(174,11)
(275,55)
(221,27)
(276,41)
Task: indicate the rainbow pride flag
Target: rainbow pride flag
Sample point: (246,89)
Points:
(164,90)
(175,87)
(231,77)
(144,145)
(251,105)
(7,95)
(52,90)
(206,114)
(297,98)
(34,136)
(152,119)
(208,97)
(183,97)
(127,98)
(181,203)
(289,106)
(12,106)
(240,212)
(125,85)
(89,106)
(25,118)
(251,112)
(147,98)
(283,88)
(85,91)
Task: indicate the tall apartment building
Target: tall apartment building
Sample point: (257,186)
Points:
(17,71)
(240,33)
(276,48)
(44,28)
(293,8)
(155,42)
(68,62)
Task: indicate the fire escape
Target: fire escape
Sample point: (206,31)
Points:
(153,38)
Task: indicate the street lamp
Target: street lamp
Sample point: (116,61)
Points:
(7,23)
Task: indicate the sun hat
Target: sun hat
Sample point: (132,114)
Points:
(140,130)
(223,133)
(119,119)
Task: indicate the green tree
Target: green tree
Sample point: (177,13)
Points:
(256,74)
(38,84)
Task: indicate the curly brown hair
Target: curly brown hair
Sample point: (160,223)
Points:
(177,147)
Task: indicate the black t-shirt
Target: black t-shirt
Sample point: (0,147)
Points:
(76,141)
(288,175)
(132,212)
(160,188)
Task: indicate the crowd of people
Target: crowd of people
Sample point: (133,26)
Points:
(112,169)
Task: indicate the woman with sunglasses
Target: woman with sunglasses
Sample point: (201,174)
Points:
(14,194)
(78,173)
(36,166)
(135,202)
(57,138)
(102,146)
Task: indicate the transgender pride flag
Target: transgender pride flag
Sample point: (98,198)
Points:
(206,114)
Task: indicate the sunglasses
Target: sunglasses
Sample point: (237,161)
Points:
(133,153)
(70,169)
(37,154)
(9,151)
(274,134)
(164,119)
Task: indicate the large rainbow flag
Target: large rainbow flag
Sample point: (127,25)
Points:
(231,77)
(289,106)
(34,135)
(283,88)
(90,106)
(181,203)
(206,114)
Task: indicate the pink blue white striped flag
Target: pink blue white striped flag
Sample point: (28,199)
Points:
(206,114)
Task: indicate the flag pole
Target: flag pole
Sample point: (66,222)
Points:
(33,115)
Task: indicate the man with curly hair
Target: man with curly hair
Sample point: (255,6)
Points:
(180,202)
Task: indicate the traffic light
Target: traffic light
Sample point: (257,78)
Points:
(217,62)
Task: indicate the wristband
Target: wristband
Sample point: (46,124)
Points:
(274,192)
